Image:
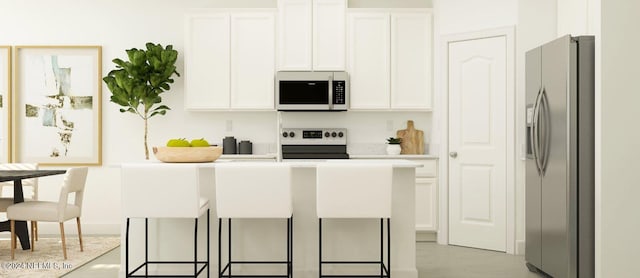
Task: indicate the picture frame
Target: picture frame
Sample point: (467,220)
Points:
(57,116)
(5,104)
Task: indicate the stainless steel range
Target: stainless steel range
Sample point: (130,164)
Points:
(314,143)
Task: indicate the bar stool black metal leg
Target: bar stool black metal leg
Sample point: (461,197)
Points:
(320,247)
(208,246)
(230,248)
(126,250)
(195,249)
(289,247)
(219,247)
(388,265)
(146,247)
(381,248)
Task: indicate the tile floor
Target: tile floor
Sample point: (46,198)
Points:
(433,260)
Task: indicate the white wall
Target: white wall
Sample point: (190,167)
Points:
(459,16)
(572,17)
(619,223)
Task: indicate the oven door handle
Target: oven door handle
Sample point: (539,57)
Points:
(331,91)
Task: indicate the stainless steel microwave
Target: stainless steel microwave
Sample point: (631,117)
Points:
(312,91)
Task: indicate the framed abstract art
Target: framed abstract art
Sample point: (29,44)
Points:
(5,104)
(57,105)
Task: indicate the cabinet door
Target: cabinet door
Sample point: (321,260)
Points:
(368,65)
(329,34)
(252,60)
(206,69)
(294,42)
(411,71)
(426,204)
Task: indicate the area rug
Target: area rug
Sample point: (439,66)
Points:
(47,260)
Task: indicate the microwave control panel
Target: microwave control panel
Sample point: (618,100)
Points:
(339,96)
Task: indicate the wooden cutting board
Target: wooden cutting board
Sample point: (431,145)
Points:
(412,139)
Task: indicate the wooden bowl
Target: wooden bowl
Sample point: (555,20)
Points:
(187,154)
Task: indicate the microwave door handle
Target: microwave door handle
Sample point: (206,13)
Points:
(331,92)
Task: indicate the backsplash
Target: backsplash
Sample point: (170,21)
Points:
(367,131)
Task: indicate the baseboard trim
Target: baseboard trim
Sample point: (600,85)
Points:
(520,247)
(428,236)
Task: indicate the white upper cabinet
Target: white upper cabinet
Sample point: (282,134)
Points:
(311,34)
(390,60)
(411,66)
(207,62)
(295,40)
(329,34)
(253,60)
(230,60)
(368,65)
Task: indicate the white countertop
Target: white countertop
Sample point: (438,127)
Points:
(395,163)
(249,156)
(388,156)
(352,156)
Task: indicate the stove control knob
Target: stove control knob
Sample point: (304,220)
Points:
(285,134)
(327,134)
(340,134)
(292,134)
(334,134)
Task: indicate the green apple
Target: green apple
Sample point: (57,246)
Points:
(180,142)
(199,143)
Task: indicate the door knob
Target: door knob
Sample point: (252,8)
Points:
(453,154)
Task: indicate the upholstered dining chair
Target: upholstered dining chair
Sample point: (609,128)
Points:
(7,200)
(60,211)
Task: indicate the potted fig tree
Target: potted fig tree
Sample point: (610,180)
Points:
(137,84)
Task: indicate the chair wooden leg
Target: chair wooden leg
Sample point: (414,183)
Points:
(33,235)
(13,239)
(79,234)
(35,232)
(64,244)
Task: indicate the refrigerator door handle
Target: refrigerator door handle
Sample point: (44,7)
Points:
(546,131)
(535,131)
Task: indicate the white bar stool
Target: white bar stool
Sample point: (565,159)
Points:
(163,191)
(254,190)
(348,190)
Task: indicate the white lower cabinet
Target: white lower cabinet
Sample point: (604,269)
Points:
(426,204)
(426,197)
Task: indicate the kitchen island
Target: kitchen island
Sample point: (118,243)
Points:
(264,239)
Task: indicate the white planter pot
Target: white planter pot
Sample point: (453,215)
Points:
(393,149)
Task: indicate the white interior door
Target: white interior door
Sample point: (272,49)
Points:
(477,142)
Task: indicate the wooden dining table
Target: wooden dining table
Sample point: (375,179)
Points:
(17,176)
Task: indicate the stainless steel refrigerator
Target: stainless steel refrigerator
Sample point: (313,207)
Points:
(560,157)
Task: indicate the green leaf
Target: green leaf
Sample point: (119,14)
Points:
(162,112)
(162,107)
